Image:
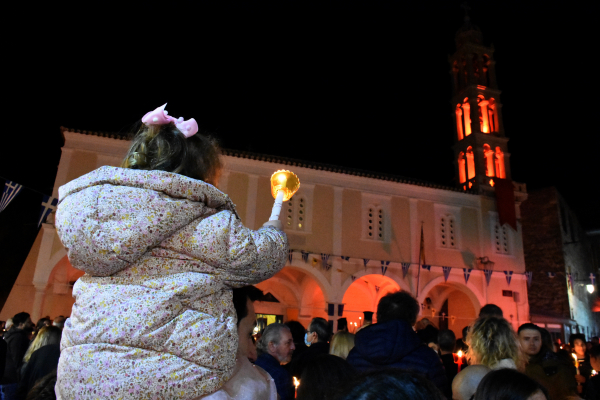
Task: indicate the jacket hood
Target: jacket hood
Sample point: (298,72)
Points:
(386,343)
(111,217)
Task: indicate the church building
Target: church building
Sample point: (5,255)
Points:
(354,236)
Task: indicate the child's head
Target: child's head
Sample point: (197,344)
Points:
(162,146)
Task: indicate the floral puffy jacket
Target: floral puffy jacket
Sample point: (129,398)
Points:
(153,315)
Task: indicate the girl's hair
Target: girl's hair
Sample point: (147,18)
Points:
(165,148)
(341,344)
(491,340)
(324,378)
(46,335)
(507,384)
(391,384)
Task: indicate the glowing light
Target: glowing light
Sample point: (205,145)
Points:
(590,288)
(285,181)
(491,182)
(460,354)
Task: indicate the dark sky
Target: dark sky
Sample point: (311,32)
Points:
(357,84)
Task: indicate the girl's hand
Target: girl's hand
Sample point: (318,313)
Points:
(276,224)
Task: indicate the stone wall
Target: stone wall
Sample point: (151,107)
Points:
(543,247)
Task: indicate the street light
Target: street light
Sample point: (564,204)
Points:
(590,288)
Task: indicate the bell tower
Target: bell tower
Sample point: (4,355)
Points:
(480,149)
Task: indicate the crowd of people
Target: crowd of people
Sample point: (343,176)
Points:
(165,309)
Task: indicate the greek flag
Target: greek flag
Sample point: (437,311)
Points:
(467,273)
(366,261)
(427,267)
(48,205)
(529,275)
(11,190)
(384,267)
(488,275)
(405,267)
(508,276)
(324,259)
(446,273)
(304,255)
(344,258)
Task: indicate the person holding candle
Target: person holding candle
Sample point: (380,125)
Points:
(582,361)
(447,341)
(593,387)
(544,366)
(162,249)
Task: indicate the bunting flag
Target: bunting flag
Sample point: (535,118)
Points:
(550,274)
(48,205)
(366,261)
(377,289)
(327,267)
(508,276)
(467,273)
(427,267)
(290,254)
(344,258)
(325,259)
(570,278)
(304,255)
(446,273)
(529,275)
(11,190)
(405,267)
(384,267)
(488,275)
(593,278)
(353,278)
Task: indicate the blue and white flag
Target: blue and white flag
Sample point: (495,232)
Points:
(467,273)
(365,262)
(48,205)
(529,275)
(384,267)
(446,273)
(427,267)
(344,258)
(304,255)
(11,190)
(488,275)
(324,260)
(508,276)
(593,278)
(405,267)
(550,274)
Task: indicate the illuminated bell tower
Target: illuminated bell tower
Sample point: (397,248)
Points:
(480,148)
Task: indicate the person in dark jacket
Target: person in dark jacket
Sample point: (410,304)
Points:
(42,362)
(17,342)
(275,348)
(392,342)
(316,337)
(593,388)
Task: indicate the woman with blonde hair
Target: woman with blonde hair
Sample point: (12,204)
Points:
(493,342)
(46,335)
(341,344)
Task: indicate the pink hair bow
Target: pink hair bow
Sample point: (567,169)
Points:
(161,117)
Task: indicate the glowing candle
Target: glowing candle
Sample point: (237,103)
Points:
(296,384)
(576,362)
(458,359)
(284,184)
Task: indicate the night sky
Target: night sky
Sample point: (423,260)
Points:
(357,84)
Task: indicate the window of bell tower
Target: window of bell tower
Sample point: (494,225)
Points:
(488,153)
(485,60)
(462,175)
(459,122)
(500,171)
(463,119)
(470,163)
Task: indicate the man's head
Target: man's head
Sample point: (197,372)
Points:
(22,320)
(465,383)
(530,337)
(243,302)
(277,341)
(446,341)
(318,330)
(491,310)
(59,321)
(398,306)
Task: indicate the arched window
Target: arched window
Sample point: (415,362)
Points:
(500,171)
(470,163)
(488,153)
(484,123)
(459,122)
(492,115)
(462,175)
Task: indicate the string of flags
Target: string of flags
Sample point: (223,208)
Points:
(326,265)
(12,189)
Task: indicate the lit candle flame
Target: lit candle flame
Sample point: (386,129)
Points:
(296,382)
(459,354)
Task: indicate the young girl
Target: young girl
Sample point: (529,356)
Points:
(161,247)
